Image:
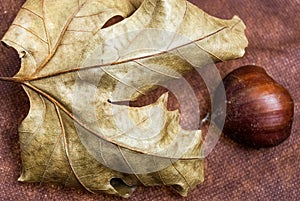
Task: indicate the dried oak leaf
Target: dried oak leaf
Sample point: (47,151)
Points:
(76,54)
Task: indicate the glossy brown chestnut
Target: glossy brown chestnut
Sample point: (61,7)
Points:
(259,110)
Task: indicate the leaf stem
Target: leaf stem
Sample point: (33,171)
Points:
(11,79)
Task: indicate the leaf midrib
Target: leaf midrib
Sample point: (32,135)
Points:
(84,68)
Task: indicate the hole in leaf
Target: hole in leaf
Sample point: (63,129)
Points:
(4,44)
(120,186)
(177,188)
(112,21)
(22,54)
(118,18)
(10,60)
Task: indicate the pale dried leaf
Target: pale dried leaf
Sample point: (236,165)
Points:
(61,42)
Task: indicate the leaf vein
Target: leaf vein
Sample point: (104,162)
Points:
(67,149)
(49,160)
(128,164)
(84,16)
(156,71)
(45,27)
(83,31)
(31,32)
(124,61)
(53,50)
(122,82)
(61,107)
(30,11)
(182,176)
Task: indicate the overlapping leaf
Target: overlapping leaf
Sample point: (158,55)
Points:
(72,66)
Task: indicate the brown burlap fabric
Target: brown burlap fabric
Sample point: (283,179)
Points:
(232,171)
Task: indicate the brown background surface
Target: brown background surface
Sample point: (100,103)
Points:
(232,171)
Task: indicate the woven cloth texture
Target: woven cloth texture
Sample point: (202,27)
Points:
(232,172)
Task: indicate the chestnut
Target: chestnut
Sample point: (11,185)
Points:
(259,111)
